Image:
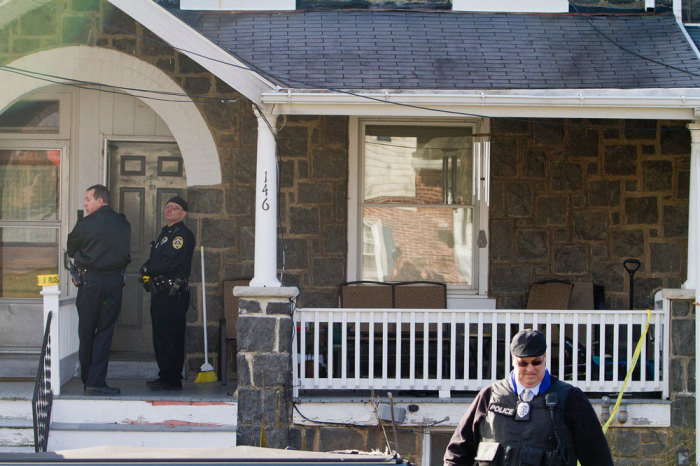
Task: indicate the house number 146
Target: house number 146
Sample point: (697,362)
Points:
(265,202)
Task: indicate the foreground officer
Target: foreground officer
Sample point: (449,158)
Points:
(100,244)
(165,275)
(529,418)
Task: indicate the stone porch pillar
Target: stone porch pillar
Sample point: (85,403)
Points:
(265,268)
(264,361)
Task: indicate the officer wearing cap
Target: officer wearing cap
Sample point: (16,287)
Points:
(530,418)
(165,276)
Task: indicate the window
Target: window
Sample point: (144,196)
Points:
(29,186)
(30,178)
(418,211)
(32,117)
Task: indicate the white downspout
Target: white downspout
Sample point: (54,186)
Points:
(693,208)
(649,5)
(265,268)
(693,240)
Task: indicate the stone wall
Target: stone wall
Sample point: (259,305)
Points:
(572,199)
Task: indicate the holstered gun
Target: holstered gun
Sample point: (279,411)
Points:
(75,275)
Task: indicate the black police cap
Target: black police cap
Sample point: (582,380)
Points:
(528,343)
(179,201)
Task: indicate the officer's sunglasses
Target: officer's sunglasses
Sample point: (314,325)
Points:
(534,363)
(173,207)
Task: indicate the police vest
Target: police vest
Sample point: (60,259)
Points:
(531,442)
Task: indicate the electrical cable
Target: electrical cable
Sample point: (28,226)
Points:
(625,49)
(255,69)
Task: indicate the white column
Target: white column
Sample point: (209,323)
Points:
(265,271)
(693,209)
(51,294)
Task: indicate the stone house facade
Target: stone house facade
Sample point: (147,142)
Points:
(571,199)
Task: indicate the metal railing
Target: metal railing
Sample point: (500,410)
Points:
(42,400)
(449,351)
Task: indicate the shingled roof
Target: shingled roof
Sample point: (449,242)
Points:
(363,50)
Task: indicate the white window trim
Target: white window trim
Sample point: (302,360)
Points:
(64,117)
(456,294)
(60,224)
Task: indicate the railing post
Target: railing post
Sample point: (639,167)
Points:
(51,294)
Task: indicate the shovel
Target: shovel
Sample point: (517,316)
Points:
(631,265)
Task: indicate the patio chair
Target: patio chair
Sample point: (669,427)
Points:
(420,295)
(551,294)
(366,294)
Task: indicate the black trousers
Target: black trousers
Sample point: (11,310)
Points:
(169,324)
(99,302)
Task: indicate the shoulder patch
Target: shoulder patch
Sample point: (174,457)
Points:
(178,242)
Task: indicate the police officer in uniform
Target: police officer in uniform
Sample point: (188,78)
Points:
(100,243)
(529,418)
(165,275)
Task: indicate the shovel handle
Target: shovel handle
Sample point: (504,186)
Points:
(631,265)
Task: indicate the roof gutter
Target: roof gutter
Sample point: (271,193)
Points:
(676,104)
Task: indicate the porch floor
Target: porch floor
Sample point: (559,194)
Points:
(132,389)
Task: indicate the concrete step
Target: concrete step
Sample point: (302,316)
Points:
(11,449)
(16,433)
(15,409)
(146,411)
(200,415)
(65,436)
(18,366)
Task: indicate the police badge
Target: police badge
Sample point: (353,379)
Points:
(522,411)
(178,242)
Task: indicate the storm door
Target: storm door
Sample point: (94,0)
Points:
(142,176)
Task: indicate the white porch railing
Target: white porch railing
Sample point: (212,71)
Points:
(63,334)
(463,350)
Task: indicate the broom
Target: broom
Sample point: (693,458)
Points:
(206,372)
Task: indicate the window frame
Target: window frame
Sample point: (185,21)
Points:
(356,132)
(64,118)
(47,141)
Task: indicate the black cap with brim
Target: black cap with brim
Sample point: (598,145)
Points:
(528,343)
(179,201)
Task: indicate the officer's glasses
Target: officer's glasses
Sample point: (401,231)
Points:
(173,207)
(533,363)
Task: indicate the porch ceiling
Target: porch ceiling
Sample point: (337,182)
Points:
(455,63)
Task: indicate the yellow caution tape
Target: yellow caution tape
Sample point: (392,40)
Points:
(47,280)
(635,357)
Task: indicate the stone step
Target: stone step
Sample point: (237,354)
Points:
(64,436)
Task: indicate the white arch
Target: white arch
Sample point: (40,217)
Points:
(119,69)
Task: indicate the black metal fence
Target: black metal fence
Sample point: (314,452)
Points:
(43,396)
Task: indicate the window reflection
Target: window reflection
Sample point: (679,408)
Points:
(29,184)
(24,254)
(31,116)
(418,211)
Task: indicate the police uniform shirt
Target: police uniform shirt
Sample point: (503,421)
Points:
(171,252)
(101,241)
